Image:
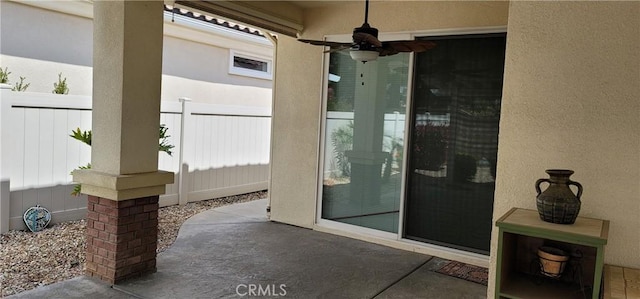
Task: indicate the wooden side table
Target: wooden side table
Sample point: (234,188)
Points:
(518,275)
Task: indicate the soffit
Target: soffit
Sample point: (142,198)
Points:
(283,17)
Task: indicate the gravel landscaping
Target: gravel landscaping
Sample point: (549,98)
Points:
(29,260)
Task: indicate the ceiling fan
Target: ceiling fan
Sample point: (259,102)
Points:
(367,47)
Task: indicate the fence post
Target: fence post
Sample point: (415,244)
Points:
(4,205)
(183,174)
(5,105)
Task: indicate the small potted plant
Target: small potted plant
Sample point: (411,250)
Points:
(552,261)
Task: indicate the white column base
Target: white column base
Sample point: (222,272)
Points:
(124,186)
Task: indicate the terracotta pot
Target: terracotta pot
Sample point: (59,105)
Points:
(552,261)
(558,204)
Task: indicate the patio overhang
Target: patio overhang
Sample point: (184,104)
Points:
(281,17)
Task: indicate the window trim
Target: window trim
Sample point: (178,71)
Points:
(234,70)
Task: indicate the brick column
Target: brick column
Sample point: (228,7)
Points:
(122,238)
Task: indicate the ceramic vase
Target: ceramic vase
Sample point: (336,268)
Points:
(558,204)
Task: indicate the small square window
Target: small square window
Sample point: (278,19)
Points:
(250,65)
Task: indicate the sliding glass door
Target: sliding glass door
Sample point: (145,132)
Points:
(451,141)
(366,103)
(454,141)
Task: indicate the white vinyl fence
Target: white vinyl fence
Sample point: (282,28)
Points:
(219,151)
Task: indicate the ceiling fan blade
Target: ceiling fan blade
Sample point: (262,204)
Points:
(365,38)
(325,43)
(362,37)
(387,51)
(408,45)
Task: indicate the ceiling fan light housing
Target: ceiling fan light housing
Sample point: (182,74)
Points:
(364,56)
(366,28)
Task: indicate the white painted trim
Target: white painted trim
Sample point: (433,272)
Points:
(356,229)
(405,147)
(193,27)
(449,253)
(274,41)
(234,70)
(322,139)
(459,31)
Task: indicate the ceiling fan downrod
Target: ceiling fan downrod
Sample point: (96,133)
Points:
(366,46)
(366,12)
(366,28)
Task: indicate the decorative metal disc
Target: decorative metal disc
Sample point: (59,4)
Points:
(36,218)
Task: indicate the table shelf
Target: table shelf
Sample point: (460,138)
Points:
(524,286)
(521,233)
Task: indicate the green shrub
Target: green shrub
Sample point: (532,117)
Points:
(342,140)
(61,86)
(85,137)
(21,86)
(4,75)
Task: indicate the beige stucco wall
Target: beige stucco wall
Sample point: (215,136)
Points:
(298,87)
(294,129)
(572,100)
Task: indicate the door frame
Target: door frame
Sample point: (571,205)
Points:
(411,119)
(395,240)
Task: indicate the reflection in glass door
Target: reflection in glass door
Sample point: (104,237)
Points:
(366,103)
(454,142)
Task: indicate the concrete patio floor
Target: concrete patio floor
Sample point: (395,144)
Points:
(234,252)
